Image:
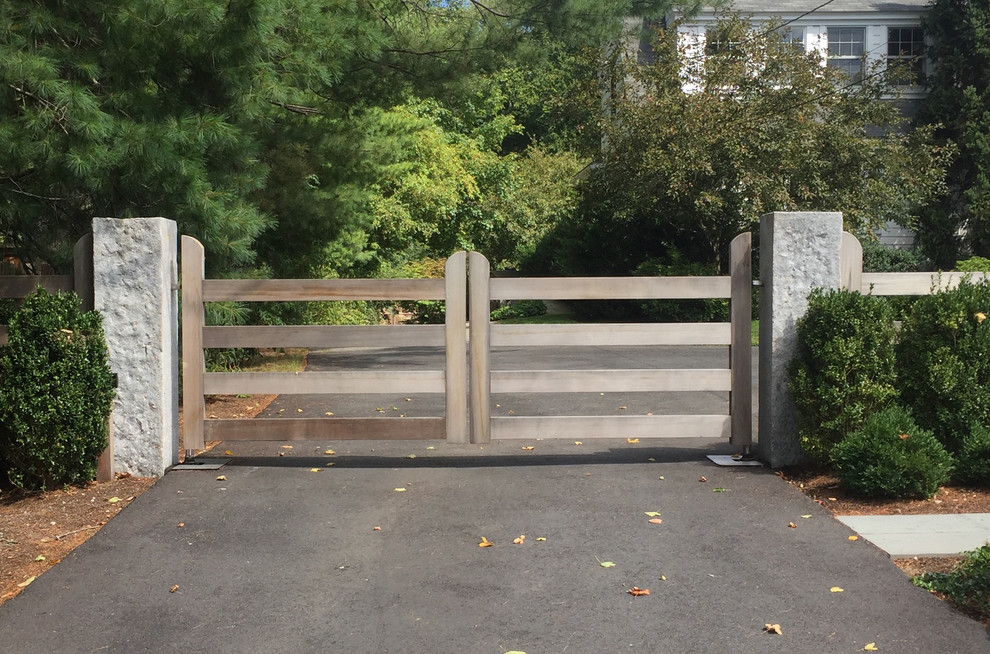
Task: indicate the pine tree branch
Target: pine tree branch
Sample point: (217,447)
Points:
(298,109)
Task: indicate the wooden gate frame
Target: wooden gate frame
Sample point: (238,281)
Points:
(196,382)
(453,335)
(737,334)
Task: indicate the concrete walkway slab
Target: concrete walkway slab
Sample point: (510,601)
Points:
(277,558)
(922,535)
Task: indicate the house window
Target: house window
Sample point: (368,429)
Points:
(906,45)
(846,47)
(724,41)
(792,36)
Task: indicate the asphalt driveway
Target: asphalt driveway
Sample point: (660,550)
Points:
(278,558)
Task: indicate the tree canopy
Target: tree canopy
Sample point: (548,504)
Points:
(958,102)
(698,147)
(261,126)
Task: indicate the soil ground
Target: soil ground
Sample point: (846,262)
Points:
(38,529)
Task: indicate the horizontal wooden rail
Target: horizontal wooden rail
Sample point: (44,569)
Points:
(315,383)
(610,381)
(611,334)
(920,283)
(325,336)
(301,429)
(610,288)
(20,286)
(579,427)
(290,290)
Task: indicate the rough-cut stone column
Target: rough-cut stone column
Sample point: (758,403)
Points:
(135,282)
(798,252)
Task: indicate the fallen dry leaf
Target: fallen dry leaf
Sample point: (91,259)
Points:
(298,410)
(606,564)
(329,413)
(632,440)
(26,582)
(806,516)
(329,452)
(903,437)
(540,538)
(652,514)
(718,490)
(431,447)
(181,525)
(113,500)
(411,456)
(228,453)
(702,479)
(485,542)
(854,538)
(39,558)
(316,469)
(792,525)
(400,490)
(520,540)
(222,478)
(636,591)
(578,443)
(327,465)
(623,408)
(835,589)
(376,529)
(528,447)
(663,578)
(870,647)
(656,521)
(772,628)
(173,588)
(286,447)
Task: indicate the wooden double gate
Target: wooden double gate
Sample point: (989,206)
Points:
(468,387)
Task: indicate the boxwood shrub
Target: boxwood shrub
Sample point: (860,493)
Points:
(843,369)
(891,457)
(973,459)
(56,393)
(943,361)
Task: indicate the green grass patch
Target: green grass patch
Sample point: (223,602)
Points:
(756,332)
(292,359)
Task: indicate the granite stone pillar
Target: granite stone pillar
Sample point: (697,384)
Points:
(135,288)
(798,252)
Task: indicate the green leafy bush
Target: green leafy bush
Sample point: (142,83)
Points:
(974,264)
(890,456)
(943,361)
(521,309)
(843,370)
(56,394)
(881,258)
(973,459)
(967,585)
(709,310)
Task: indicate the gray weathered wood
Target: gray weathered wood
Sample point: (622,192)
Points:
(481,383)
(921,283)
(104,467)
(586,427)
(610,381)
(324,336)
(20,286)
(850,262)
(193,362)
(740,351)
(82,271)
(303,383)
(290,290)
(613,334)
(320,429)
(458,429)
(608,288)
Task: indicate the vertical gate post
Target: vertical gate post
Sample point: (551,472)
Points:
(481,382)
(134,287)
(82,284)
(798,252)
(455,315)
(193,360)
(851,260)
(740,350)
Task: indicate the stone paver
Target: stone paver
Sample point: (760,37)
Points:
(922,535)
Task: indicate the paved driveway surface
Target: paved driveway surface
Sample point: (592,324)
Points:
(276,558)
